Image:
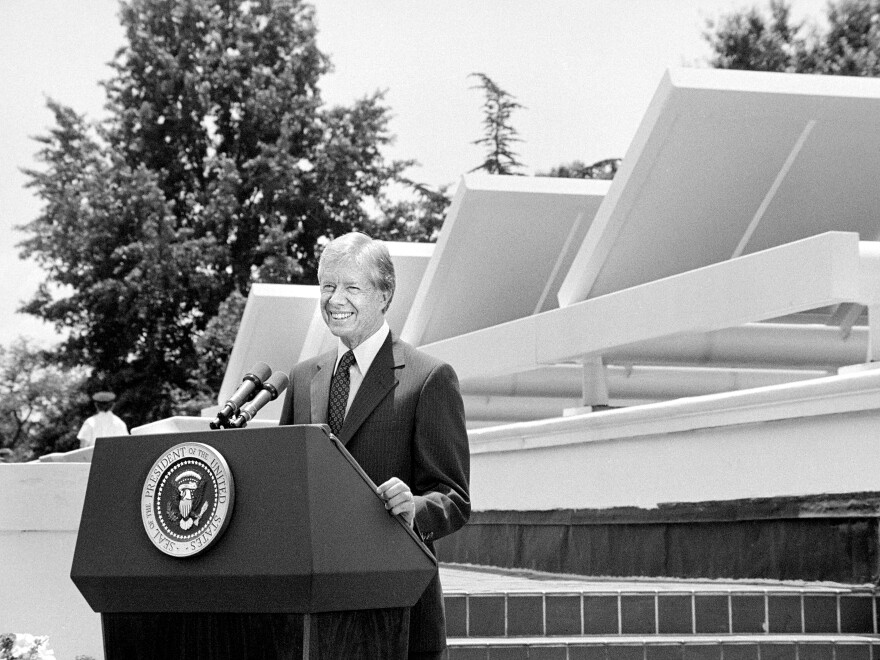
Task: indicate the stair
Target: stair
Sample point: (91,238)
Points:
(509,614)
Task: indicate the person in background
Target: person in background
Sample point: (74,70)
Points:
(103,424)
(397,410)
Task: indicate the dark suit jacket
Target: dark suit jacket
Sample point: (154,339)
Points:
(406,421)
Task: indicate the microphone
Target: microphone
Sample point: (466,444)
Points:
(250,384)
(273,387)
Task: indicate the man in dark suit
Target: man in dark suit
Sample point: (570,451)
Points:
(397,410)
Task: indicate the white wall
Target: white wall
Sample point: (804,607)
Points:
(810,437)
(40,509)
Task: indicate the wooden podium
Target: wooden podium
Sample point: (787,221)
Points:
(310,565)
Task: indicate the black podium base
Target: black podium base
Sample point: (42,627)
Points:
(350,635)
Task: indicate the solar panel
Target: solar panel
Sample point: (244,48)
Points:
(727,163)
(504,249)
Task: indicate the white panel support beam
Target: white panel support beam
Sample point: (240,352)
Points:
(822,270)
(873,334)
(594,387)
(594,382)
(813,272)
(845,317)
(774,188)
(503,349)
(658,383)
(870,292)
(776,346)
(514,409)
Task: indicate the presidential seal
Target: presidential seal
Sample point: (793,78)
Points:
(187,499)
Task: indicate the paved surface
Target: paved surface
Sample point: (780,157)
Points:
(467,579)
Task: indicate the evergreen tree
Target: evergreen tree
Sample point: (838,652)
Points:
(498,133)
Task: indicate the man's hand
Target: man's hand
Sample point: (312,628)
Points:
(398,499)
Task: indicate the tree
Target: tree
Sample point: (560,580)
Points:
(851,46)
(417,218)
(41,407)
(749,40)
(213,347)
(218,166)
(498,133)
(602,169)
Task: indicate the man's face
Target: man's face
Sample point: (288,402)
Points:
(350,304)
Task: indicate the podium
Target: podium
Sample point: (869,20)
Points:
(309,565)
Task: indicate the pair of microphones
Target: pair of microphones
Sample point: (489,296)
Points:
(258,387)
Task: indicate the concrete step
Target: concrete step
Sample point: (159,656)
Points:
(484,602)
(662,647)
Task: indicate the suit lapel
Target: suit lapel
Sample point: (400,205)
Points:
(320,388)
(378,381)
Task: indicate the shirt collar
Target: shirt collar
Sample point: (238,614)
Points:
(366,351)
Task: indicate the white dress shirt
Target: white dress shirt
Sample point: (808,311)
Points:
(364,354)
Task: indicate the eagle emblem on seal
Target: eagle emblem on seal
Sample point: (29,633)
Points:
(187,499)
(186,506)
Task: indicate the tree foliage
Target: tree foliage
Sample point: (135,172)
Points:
(602,169)
(213,347)
(41,407)
(218,165)
(850,45)
(499,135)
(750,40)
(417,217)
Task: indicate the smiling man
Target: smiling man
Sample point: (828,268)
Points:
(397,410)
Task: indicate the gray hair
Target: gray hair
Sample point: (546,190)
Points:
(366,253)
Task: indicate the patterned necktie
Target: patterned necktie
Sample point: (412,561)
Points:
(339,393)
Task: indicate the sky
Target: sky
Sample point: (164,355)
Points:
(585,70)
